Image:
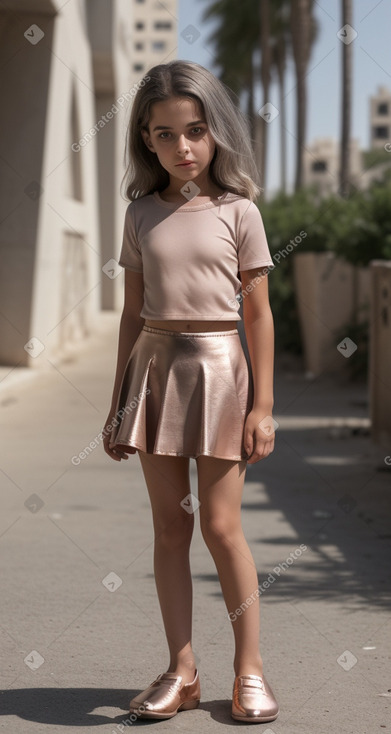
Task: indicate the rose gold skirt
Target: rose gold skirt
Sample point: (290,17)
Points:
(184,394)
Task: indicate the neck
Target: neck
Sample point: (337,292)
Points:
(202,182)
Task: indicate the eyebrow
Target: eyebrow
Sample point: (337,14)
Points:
(165,127)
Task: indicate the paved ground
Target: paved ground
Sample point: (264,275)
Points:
(74,652)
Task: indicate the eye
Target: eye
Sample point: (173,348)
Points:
(160,134)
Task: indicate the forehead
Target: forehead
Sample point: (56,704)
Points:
(177,108)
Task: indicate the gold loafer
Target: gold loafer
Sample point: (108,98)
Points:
(166,696)
(253,699)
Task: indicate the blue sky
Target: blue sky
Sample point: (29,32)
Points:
(371,68)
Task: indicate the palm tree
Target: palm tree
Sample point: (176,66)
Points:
(344,171)
(304,31)
(237,42)
(266,62)
(281,45)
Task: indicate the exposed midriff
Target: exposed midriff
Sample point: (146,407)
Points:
(193,325)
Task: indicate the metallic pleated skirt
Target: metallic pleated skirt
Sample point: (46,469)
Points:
(184,394)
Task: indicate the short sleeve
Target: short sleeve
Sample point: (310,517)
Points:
(130,256)
(253,249)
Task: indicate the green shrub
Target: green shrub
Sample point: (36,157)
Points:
(303,216)
(364,226)
(357,229)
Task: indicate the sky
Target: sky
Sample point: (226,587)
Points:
(371,68)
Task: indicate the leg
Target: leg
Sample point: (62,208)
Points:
(220,487)
(167,480)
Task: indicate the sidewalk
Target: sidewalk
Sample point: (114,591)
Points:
(81,630)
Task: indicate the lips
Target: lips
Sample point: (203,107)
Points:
(185,163)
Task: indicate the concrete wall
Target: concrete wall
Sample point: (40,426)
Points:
(49,202)
(380,352)
(110,33)
(329,293)
(60,204)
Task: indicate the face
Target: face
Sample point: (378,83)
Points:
(185,137)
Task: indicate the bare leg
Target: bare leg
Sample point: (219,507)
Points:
(167,480)
(220,488)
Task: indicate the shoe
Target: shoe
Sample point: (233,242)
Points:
(253,699)
(166,696)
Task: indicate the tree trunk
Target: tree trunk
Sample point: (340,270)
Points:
(264,10)
(301,32)
(344,172)
(281,81)
(250,104)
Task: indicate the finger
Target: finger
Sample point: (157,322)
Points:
(254,458)
(261,451)
(120,453)
(248,443)
(117,450)
(115,454)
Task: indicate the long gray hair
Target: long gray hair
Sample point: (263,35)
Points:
(232,167)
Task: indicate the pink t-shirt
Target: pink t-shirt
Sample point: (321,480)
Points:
(190,255)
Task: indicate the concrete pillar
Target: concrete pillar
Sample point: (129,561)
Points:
(324,294)
(49,243)
(380,352)
(109,29)
(329,293)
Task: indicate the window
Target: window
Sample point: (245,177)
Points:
(381,132)
(138,67)
(319,166)
(382,108)
(158,45)
(161,25)
(140,25)
(139,46)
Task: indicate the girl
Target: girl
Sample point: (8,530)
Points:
(183,387)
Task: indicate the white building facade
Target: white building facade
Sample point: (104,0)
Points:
(68,74)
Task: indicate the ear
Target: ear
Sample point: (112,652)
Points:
(147,140)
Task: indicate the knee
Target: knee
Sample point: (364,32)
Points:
(219,531)
(175,534)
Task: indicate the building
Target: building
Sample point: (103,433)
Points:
(380,118)
(71,71)
(321,157)
(155,33)
(321,164)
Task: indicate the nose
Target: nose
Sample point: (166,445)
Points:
(182,144)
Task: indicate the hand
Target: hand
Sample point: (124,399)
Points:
(114,453)
(258,435)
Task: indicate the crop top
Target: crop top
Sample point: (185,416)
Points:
(190,255)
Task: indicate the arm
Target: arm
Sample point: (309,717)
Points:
(130,326)
(259,330)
